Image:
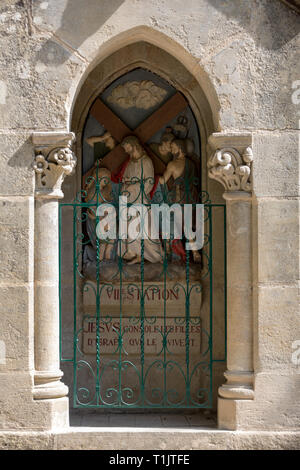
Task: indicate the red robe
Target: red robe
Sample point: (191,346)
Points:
(116,177)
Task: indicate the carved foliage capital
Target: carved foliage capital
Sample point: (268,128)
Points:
(232,168)
(53,161)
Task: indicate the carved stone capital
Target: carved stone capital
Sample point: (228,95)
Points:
(54,160)
(231,169)
(231,161)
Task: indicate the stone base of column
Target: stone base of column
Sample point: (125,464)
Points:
(49,395)
(21,412)
(47,385)
(55,413)
(234,396)
(233,414)
(239,386)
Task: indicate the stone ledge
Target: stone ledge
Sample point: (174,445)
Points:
(154,439)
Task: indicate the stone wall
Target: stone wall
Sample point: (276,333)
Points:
(243,56)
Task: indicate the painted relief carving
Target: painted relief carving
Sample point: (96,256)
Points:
(178,181)
(151,158)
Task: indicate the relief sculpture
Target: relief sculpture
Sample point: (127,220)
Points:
(139,183)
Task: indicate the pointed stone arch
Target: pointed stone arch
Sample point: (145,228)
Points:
(167,46)
(144,47)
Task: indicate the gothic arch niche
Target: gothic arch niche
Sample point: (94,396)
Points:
(143,61)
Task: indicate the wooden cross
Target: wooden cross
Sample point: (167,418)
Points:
(118,130)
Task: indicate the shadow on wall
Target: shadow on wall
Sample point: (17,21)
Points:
(80,19)
(23,157)
(270,24)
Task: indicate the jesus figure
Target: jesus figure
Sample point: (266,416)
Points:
(137,170)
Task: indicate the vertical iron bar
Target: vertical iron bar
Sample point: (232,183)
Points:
(59,282)
(97,293)
(120,328)
(120,342)
(165,397)
(142,299)
(210,306)
(187,326)
(187,299)
(225,281)
(75,339)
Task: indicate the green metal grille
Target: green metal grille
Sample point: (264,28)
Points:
(139,379)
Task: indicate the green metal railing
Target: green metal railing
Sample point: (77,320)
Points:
(127,376)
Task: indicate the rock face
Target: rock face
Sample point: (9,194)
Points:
(237,65)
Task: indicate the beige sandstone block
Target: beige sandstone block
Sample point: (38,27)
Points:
(275,406)
(36,74)
(276,172)
(16,331)
(20,411)
(278,327)
(26,441)
(145,438)
(16,239)
(278,240)
(246,59)
(227,414)
(15,163)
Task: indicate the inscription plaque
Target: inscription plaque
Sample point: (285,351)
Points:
(175,327)
(164,305)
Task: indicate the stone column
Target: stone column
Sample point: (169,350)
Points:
(53,161)
(230,164)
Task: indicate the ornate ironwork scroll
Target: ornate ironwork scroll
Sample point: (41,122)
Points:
(139,337)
